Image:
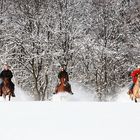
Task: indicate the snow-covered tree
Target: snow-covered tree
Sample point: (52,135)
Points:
(97,40)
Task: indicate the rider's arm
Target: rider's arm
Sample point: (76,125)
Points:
(1,74)
(59,75)
(10,75)
(133,74)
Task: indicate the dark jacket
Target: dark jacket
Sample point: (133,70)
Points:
(63,74)
(6,74)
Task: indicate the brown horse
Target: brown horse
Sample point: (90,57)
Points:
(64,86)
(136,90)
(5,89)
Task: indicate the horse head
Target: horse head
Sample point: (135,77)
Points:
(62,81)
(6,81)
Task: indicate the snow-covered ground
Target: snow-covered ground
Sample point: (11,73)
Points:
(69,121)
(118,120)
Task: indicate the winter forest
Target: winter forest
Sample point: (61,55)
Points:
(97,40)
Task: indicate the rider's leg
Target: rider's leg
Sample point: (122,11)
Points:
(131,88)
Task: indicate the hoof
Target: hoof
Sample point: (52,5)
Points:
(13,95)
(135,100)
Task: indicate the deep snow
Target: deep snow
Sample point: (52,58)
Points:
(118,120)
(69,121)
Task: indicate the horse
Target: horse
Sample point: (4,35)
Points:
(136,90)
(6,89)
(63,86)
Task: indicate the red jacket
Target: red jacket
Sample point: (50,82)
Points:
(135,74)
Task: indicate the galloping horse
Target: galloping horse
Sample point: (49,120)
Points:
(6,89)
(136,90)
(64,86)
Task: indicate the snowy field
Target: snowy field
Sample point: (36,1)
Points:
(34,120)
(69,121)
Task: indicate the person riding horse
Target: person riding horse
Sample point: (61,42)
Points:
(7,74)
(63,74)
(134,76)
(64,78)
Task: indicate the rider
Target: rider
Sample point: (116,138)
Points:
(63,74)
(134,76)
(6,73)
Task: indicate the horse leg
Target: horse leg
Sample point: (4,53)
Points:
(56,89)
(131,97)
(69,89)
(9,97)
(135,100)
(4,97)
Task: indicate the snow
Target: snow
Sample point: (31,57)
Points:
(71,121)
(123,96)
(20,96)
(80,94)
